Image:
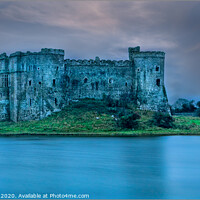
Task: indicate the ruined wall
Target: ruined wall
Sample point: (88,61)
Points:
(149,79)
(36,84)
(97,78)
(4,90)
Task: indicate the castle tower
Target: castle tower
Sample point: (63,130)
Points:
(36,88)
(149,85)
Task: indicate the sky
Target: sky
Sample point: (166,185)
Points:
(85,29)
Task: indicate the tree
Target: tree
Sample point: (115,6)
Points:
(162,120)
(129,121)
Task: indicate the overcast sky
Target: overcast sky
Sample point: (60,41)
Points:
(85,29)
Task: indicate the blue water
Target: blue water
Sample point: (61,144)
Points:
(146,167)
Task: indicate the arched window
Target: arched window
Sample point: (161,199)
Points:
(54,82)
(97,85)
(30,102)
(29,83)
(110,80)
(158,82)
(126,84)
(85,80)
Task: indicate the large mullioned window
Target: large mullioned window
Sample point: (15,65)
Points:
(4,80)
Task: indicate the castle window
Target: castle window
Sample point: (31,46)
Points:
(110,81)
(85,80)
(65,67)
(30,102)
(157,68)
(126,84)
(97,85)
(6,80)
(138,70)
(39,83)
(56,102)
(57,68)
(38,68)
(54,82)
(158,82)
(29,83)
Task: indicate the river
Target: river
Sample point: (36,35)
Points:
(103,167)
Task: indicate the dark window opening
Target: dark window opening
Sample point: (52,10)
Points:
(39,83)
(158,82)
(4,80)
(157,68)
(54,82)
(126,84)
(56,102)
(29,83)
(97,85)
(92,84)
(138,69)
(110,80)
(85,80)
(30,102)
(38,68)
(57,68)
(65,67)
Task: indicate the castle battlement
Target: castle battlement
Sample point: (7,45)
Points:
(97,62)
(3,56)
(35,84)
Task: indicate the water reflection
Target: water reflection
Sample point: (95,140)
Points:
(154,167)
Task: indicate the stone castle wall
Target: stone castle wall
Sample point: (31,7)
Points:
(97,78)
(33,85)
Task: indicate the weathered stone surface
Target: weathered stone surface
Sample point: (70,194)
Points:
(33,85)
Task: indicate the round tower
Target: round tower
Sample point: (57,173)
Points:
(149,79)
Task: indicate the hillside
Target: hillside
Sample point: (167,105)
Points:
(92,117)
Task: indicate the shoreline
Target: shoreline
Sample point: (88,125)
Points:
(101,134)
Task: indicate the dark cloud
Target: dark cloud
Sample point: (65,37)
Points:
(85,29)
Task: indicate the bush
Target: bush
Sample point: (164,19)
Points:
(198,104)
(129,121)
(188,107)
(198,112)
(162,120)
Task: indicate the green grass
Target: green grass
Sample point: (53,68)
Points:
(92,117)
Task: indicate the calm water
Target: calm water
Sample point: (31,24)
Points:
(151,167)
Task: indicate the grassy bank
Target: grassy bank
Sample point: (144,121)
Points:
(89,117)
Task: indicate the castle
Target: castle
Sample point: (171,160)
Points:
(35,84)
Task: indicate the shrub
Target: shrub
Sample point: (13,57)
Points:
(198,112)
(198,104)
(162,120)
(129,121)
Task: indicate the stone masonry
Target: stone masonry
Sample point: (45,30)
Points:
(35,84)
